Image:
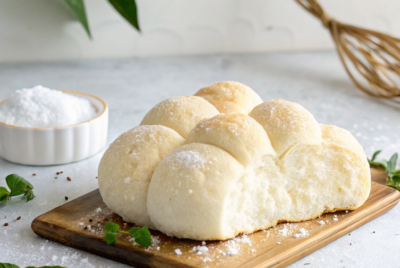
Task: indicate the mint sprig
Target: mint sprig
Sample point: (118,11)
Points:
(17,186)
(142,235)
(9,265)
(393,175)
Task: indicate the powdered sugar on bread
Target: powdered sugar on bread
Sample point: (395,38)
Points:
(237,173)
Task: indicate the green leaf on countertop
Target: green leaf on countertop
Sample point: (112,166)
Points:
(77,7)
(375,155)
(377,164)
(393,185)
(128,9)
(111,238)
(391,165)
(45,266)
(29,195)
(111,227)
(4,196)
(372,161)
(396,173)
(392,175)
(17,186)
(396,178)
(8,265)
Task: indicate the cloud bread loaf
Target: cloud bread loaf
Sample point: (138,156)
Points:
(225,164)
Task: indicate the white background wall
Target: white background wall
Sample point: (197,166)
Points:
(32,30)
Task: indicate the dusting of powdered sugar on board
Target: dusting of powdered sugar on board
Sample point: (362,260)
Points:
(217,253)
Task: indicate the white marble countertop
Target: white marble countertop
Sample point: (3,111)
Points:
(131,87)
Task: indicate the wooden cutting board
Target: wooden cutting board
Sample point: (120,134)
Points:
(79,224)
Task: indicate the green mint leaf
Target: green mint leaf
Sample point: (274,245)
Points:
(133,231)
(375,155)
(377,164)
(17,184)
(143,237)
(111,227)
(128,10)
(393,185)
(396,178)
(396,172)
(391,165)
(29,195)
(77,7)
(46,267)
(111,238)
(8,265)
(4,196)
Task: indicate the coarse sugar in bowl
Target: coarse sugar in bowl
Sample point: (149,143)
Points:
(40,126)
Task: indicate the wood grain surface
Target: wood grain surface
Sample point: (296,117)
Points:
(79,224)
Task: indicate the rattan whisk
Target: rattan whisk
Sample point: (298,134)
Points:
(371,59)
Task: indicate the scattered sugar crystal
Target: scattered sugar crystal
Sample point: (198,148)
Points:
(335,219)
(232,251)
(44,107)
(203,243)
(158,248)
(201,249)
(98,210)
(206,260)
(283,231)
(178,251)
(155,240)
(253,250)
(243,239)
(191,159)
(190,191)
(321,222)
(278,243)
(302,233)
(81,224)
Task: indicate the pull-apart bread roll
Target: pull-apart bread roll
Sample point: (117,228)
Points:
(199,174)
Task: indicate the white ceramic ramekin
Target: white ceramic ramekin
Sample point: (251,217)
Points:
(56,145)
